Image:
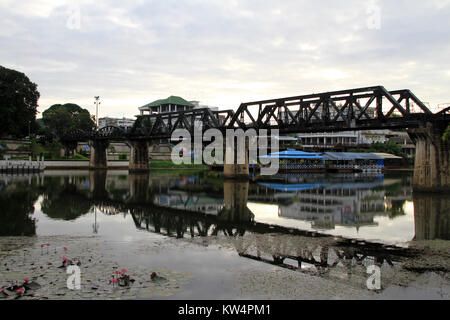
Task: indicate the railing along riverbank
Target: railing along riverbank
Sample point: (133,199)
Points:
(22,166)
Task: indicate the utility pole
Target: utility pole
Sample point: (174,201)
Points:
(97,102)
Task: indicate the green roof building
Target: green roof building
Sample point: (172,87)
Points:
(171,104)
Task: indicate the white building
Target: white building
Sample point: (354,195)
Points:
(324,140)
(116,122)
(171,104)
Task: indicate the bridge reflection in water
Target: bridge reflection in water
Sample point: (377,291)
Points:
(200,207)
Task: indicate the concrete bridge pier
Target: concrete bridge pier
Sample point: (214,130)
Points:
(139,187)
(139,159)
(235,202)
(431,216)
(99,158)
(233,170)
(97,184)
(432,165)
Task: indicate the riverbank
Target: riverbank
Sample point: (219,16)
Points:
(230,276)
(119,165)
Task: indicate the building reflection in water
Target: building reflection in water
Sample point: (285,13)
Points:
(349,201)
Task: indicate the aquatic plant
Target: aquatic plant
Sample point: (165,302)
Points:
(113,281)
(121,278)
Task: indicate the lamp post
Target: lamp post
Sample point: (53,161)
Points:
(97,102)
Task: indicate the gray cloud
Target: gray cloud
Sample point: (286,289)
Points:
(223,53)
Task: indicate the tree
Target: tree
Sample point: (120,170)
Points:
(446,135)
(18,103)
(60,119)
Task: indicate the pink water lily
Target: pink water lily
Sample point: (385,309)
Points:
(124,270)
(26,279)
(20,290)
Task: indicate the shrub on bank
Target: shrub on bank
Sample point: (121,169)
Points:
(169,164)
(123,156)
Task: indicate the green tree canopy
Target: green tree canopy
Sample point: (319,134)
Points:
(60,119)
(446,135)
(18,103)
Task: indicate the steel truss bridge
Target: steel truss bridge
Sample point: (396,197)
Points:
(353,109)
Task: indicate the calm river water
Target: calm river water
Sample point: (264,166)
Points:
(218,230)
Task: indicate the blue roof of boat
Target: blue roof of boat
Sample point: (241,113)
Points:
(291,187)
(294,154)
(351,156)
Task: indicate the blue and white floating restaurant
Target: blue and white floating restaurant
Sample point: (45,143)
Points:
(292,160)
(353,162)
(298,161)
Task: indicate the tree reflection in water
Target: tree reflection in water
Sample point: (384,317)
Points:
(16,209)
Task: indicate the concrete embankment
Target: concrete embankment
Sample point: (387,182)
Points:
(112,165)
(83,165)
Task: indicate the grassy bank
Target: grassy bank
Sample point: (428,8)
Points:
(168,164)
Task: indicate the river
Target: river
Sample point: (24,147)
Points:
(298,236)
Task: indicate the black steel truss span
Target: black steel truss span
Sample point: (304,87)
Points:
(105,133)
(353,109)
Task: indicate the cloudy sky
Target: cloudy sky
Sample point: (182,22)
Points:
(224,52)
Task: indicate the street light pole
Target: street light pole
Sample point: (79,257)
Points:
(97,102)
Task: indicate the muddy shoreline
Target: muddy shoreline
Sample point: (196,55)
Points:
(23,257)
